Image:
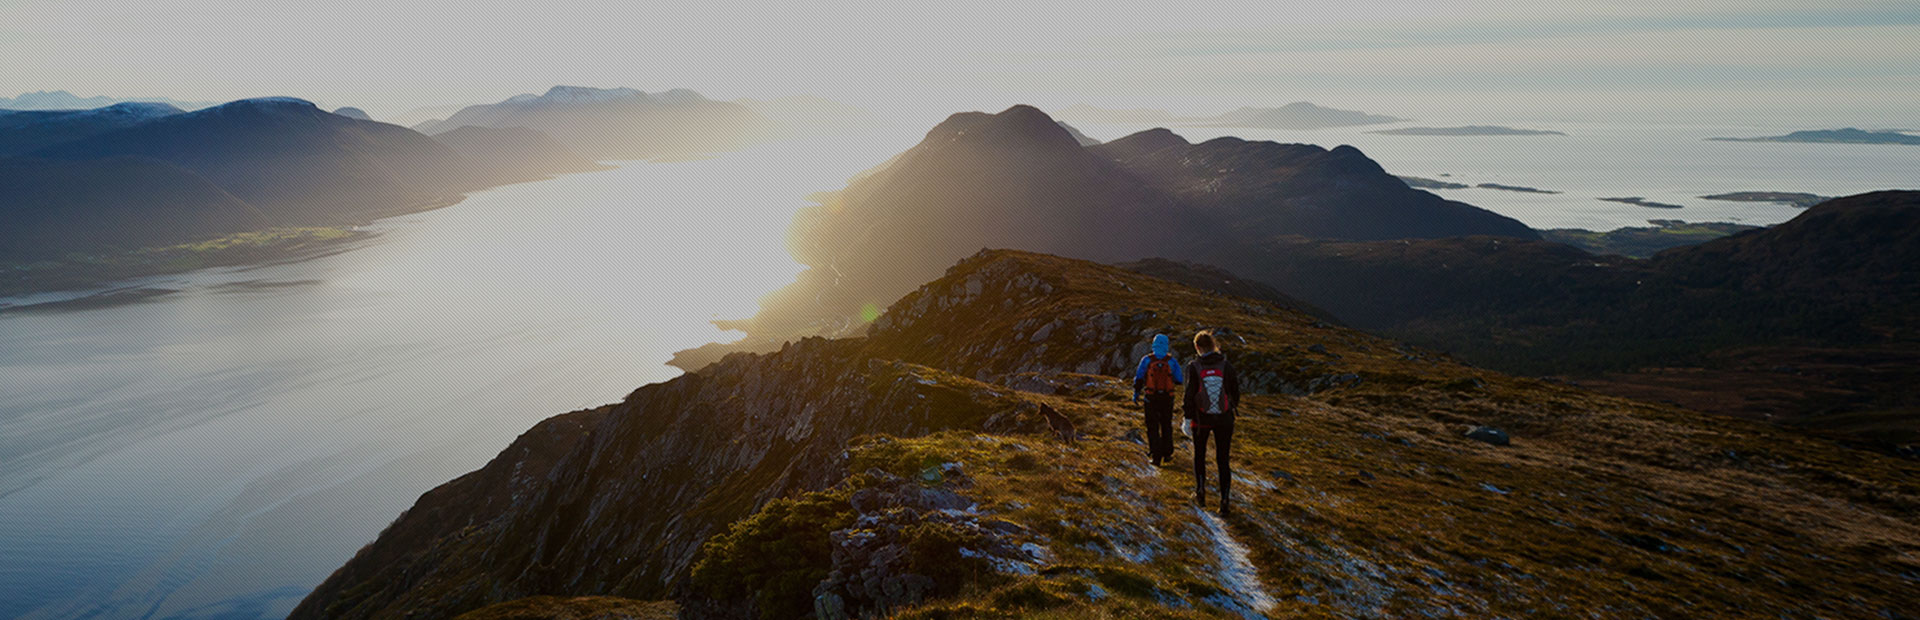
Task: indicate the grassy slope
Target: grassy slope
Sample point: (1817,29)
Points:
(1358,500)
(1643,241)
(1604,505)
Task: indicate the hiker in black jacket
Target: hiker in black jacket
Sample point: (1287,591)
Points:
(1213,394)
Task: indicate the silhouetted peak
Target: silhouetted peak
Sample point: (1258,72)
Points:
(141,108)
(1142,143)
(268,103)
(589,94)
(1018,125)
(1347,159)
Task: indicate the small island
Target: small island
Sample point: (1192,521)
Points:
(1798,199)
(1426,183)
(1642,202)
(1848,135)
(1468,130)
(1516,188)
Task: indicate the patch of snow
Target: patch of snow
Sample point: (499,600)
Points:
(1493,489)
(1237,573)
(1095,592)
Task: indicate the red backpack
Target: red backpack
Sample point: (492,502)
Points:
(1160,375)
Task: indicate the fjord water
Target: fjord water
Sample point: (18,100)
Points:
(216,451)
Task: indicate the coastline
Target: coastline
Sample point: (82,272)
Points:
(98,274)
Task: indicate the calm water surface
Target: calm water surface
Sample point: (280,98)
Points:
(217,451)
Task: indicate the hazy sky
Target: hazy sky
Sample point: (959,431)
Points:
(1839,63)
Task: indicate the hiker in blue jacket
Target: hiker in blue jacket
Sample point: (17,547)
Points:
(1158,376)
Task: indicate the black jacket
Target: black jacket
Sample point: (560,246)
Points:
(1191,406)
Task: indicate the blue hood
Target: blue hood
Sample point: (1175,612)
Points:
(1160,347)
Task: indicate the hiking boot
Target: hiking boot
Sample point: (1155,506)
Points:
(1226,509)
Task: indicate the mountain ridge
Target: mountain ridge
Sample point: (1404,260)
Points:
(298,164)
(620,123)
(1017,179)
(741,490)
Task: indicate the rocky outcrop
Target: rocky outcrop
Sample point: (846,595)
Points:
(873,566)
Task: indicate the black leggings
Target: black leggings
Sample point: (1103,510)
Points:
(1159,411)
(1222,450)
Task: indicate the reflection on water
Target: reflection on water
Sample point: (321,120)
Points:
(213,444)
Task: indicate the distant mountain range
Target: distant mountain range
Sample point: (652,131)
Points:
(1835,136)
(25,132)
(135,175)
(1018,179)
(1329,227)
(1300,115)
(621,123)
(63,100)
(354,113)
(295,162)
(1468,130)
(1297,115)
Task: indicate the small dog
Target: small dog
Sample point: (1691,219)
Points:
(1060,424)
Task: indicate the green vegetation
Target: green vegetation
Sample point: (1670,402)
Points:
(75,271)
(776,556)
(1644,241)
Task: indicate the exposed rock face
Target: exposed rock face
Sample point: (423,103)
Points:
(871,572)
